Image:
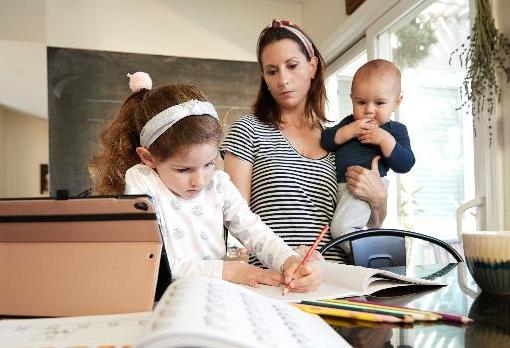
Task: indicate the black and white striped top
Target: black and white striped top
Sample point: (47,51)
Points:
(294,195)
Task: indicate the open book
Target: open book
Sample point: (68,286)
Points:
(346,281)
(193,312)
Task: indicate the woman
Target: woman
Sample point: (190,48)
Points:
(274,156)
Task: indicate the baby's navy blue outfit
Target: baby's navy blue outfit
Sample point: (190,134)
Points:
(352,213)
(354,152)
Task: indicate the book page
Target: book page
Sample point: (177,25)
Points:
(208,312)
(119,330)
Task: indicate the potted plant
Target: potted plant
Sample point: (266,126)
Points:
(484,56)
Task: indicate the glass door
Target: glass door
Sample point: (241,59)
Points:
(420,43)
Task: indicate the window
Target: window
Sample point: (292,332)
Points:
(441,134)
(338,83)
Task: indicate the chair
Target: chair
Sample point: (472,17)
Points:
(380,247)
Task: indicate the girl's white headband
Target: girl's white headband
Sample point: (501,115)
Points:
(167,118)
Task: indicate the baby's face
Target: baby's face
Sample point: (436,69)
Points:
(375,96)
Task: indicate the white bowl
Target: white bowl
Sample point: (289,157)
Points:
(487,256)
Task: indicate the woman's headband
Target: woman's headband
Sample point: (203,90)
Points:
(294,29)
(160,123)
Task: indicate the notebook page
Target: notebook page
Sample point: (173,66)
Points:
(341,281)
(117,330)
(324,292)
(208,312)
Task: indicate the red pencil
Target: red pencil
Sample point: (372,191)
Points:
(308,254)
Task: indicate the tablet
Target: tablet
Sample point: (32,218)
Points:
(80,256)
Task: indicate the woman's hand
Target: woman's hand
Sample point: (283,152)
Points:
(243,273)
(303,249)
(366,185)
(307,278)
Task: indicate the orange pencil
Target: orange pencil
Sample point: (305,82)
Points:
(308,254)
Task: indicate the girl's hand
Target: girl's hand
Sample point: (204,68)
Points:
(307,278)
(303,249)
(242,273)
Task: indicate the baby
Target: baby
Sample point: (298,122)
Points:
(368,133)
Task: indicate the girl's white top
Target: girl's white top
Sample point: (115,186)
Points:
(192,229)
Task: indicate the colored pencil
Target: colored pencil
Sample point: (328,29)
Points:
(441,316)
(454,318)
(416,314)
(342,313)
(342,322)
(406,317)
(307,256)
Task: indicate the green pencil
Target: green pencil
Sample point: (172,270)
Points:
(417,314)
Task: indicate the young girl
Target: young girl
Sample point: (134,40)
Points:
(164,143)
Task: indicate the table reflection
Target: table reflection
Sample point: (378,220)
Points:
(461,296)
(492,322)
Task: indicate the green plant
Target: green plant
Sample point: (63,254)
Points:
(414,42)
(408,209)
(486,52)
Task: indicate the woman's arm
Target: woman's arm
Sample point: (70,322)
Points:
(240,173)
(367,185)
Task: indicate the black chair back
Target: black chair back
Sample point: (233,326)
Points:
(379,251)
(381,247)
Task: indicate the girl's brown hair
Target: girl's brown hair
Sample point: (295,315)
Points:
(266,108)
(122,136)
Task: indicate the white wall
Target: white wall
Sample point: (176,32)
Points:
(322,17)
(23,147)
(23,20)
(501,10)
(216,29)
(219,29)
(23,56)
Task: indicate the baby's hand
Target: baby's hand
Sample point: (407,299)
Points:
(307,278)
(303,249)
(375,136)
(362,125)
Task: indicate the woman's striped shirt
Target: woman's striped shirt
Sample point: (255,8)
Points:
(294,195)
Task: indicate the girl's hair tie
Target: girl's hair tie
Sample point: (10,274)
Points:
(139,80)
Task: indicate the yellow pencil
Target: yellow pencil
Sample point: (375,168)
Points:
(343,313)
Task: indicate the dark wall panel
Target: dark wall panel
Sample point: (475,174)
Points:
(86,89)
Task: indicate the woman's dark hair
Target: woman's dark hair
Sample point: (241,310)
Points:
(122,136)
(266,108)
